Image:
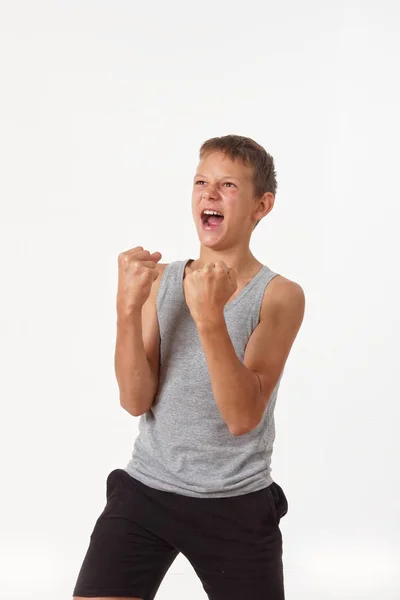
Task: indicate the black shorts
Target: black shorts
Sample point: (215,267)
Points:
(234,544)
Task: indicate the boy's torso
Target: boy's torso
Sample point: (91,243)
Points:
(183,445)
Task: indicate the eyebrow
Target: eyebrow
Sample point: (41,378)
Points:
(224,177)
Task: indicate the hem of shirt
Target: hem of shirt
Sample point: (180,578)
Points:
(220,494)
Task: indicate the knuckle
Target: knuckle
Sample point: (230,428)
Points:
(136,266)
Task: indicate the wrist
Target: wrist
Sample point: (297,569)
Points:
(130,315)
(211,324)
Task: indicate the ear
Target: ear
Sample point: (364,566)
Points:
(265,205)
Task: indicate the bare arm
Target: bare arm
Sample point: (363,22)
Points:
(137,349)
(137,377)
(242,390)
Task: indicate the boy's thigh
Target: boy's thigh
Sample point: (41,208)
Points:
(238,554)
(266,584)
(124,559)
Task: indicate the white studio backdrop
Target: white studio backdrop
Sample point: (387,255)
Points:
(103,108)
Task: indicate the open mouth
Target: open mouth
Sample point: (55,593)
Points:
(211,221)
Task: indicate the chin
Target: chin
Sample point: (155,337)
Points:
(208,238)
(213,244)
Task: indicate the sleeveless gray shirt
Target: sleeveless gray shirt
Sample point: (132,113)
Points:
(184,445)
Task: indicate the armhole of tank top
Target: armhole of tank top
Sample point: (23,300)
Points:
(260,298)
(162,286)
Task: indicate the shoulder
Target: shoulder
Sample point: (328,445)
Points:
(161,267)
(283,297)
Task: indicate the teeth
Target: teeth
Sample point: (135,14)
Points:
(212,212)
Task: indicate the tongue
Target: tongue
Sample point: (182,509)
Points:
(214,220)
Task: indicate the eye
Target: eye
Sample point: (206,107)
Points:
(200,181)
(229,183)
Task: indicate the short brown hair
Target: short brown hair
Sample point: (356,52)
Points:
(251,154)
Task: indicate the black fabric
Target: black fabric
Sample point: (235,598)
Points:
(234,543)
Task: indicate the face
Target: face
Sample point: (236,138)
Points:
(225,186)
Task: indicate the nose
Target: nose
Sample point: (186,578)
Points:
(210,193)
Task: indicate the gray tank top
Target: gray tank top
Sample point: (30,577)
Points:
(184,445)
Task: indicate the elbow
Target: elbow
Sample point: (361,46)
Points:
(134,410)
(128,409)
(239,430)
(256,408)
(250,423)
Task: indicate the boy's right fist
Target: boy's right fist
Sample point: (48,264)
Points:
(136,274)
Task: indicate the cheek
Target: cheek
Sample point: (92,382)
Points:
(195,204)
(231,197)
(232,203)
(196,198)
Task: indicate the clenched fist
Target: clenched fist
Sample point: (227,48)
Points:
(136,274)
(207,290)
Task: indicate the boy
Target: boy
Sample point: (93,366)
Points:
(200,352)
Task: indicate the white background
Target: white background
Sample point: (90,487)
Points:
(103,108)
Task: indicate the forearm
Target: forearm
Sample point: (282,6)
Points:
(136,380)
(236,389)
